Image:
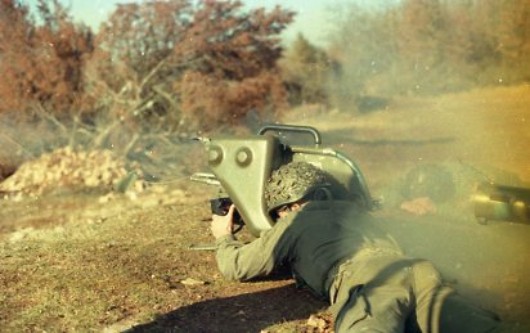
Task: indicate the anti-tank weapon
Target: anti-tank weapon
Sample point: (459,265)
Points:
(240,167)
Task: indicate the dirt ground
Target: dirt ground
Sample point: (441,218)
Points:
(85,261)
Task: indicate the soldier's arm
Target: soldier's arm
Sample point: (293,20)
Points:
(258,258)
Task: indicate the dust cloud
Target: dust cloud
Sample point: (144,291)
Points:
(475,137)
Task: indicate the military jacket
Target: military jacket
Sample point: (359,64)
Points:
(312,241)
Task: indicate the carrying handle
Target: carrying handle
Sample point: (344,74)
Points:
(292,128)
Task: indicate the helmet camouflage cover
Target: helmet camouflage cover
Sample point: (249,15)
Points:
(293,182)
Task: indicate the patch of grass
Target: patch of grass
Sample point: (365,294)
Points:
(84,276)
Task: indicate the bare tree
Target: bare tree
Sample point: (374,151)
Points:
(178,61)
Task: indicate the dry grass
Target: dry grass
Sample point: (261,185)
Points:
(90,273)
(70,263)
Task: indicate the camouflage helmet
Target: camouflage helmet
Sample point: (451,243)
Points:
(293,182)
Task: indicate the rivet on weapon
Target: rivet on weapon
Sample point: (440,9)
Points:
(244,156)
(215,155)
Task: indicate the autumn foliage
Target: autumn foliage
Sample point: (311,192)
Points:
(41,65)
(429,47)
(183,65)
(175,64)
(191,65)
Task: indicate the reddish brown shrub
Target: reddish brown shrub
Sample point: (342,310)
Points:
(42,64)
(192,65)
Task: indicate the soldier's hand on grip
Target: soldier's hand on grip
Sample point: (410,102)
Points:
(222,225)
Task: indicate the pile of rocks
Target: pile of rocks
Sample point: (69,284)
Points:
(66,168)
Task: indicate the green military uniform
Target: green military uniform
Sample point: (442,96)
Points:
(345,258)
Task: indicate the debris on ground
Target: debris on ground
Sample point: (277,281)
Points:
(65,168)
(192,282)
